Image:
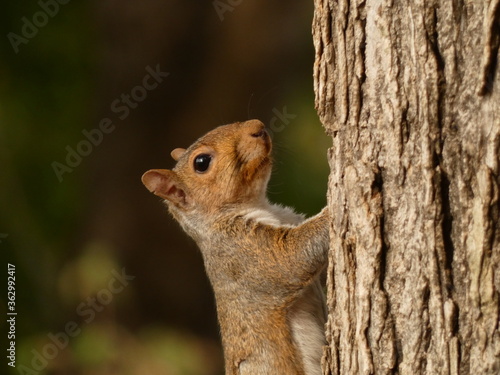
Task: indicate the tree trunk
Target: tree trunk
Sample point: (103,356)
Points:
(410,93)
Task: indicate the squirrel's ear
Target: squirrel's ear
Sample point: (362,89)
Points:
(177,153)
(165,184)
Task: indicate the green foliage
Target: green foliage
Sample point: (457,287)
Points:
(45,92)
(301,169)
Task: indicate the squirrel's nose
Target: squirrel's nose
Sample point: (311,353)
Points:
(254,141)
(255,128)
(260,134)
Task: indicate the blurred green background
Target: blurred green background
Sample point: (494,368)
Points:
(106,282)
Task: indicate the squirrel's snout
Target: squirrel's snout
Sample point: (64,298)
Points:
(256,129)
(254,142)
(253,127)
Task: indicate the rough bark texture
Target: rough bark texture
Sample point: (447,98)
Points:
(410,93)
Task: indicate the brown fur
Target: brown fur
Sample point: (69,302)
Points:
(262,260)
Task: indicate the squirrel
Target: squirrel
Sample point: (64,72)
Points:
(263,260)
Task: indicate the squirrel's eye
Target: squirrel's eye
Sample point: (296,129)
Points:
(202,162)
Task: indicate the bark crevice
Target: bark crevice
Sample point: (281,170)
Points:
(491,47)
(447,228)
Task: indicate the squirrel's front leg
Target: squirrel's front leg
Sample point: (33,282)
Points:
(305,247)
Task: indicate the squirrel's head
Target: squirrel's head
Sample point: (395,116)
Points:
(229,165)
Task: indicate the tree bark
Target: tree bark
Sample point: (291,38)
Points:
(410,93)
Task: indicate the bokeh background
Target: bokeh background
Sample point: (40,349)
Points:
(106,282)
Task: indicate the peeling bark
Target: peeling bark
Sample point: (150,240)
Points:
(410,93)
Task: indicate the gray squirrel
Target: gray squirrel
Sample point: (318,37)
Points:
(263,260)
